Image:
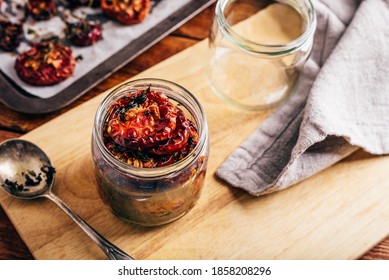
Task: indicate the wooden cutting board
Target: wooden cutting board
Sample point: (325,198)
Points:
(337,214)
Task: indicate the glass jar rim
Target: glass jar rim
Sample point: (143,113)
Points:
(260,48)
(151,173)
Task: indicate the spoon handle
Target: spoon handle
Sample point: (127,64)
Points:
(112,252)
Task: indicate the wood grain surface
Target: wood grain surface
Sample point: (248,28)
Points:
(14,124)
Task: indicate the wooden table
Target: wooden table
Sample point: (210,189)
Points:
(14,124)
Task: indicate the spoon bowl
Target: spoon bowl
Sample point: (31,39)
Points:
(26,172)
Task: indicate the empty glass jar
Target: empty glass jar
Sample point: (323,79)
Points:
(258,48)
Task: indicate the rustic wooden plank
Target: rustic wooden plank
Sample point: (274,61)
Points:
(337,214)
(5,135)
(379,252)
(199,26)
(11,246)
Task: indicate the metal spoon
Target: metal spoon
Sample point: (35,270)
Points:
(26,172)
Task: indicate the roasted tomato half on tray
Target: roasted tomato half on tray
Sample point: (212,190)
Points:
(41,9)
(84,32)
(10,35)
(45,64)
(126,11)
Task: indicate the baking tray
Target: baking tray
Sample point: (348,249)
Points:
(19,100)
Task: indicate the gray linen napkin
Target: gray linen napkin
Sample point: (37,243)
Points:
(341,103)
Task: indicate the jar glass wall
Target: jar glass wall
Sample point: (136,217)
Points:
(151,196)
(257,49)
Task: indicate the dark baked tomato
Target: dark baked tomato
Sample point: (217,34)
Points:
(41,9)
(145,129)
(84,33)
(45,64)
(10,35)
(126,11)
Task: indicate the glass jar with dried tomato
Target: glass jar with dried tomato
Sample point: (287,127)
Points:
(150,150)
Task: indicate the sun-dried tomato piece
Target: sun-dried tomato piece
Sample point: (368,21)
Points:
(142,120)
(45,64)
(145,129)
(126,11)
(41,9)
(10,35)
(84,33)
(178,139)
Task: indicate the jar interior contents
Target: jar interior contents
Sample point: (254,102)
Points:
(144,130)
(241,74)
